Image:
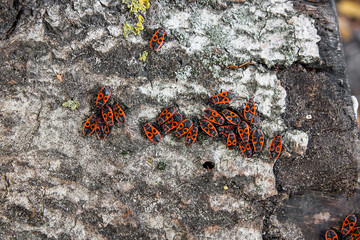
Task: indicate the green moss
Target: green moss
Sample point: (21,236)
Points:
(72,104)
(143,56)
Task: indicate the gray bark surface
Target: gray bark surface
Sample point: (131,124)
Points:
(56,183)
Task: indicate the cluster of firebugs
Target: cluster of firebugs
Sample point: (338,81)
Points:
(106,117)
(234,126)
(103,122)
(348,230)
(228,123)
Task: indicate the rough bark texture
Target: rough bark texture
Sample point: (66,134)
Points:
(57,184)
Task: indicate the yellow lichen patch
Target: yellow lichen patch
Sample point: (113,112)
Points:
(143,56)
(136,6)
(128,28)
(139,25)
(72,104)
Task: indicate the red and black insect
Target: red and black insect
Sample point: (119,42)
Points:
(102,129)
(245,148)
(157,39)
(119,115)
(354,234)
(213,116)
(107,115)
(232,117)
(208,128)
(183,128)
(152,133)
(89,126)
(231,141)
(256,120)
(348,224)
(172,123)
(275,147)
(192,135)
(103,96)
(257,140)
(331,235)
(249,110)
(226,129)
(223,97)
(166,114)
(244,131)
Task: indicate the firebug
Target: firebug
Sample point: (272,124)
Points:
(172,123)
(157,39)
(119,115)
(231,141)
(102,129)
(223,97)
(244,131)
(275,147)
(213,116)
(166,114)
(232,117)
(89,126)
(192,135)
(331,235)
(152,133)
(257,140)
(249,110)
(348,224)
(103,96)
(245,148)
(183,127)
(354,234)
(208,128)
(226,129)
(256,120)
(107,115)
